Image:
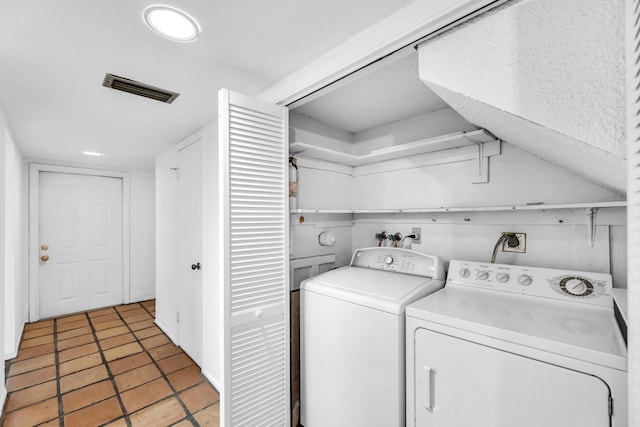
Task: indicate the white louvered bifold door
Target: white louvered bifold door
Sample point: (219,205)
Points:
(633,200)
(254,146)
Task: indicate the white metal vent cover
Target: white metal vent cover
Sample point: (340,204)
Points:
(138,88)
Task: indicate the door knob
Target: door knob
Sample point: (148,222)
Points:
(195,266)
(44,258)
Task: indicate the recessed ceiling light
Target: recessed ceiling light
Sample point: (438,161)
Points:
(171,23)
(92,153)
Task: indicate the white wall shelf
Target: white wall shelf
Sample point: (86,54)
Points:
(425,146)
(531,207)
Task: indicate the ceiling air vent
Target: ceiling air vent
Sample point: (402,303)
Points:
(140,89)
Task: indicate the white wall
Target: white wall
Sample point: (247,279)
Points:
(15,223)
(515,178)
(306,129)
(143,240)
(3,137)
(166,241)
(472,236)
(212,288)
(554,238)
(429,125)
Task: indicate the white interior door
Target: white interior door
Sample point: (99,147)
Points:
(80,220)
(190,250)
(468,384)
(254,141)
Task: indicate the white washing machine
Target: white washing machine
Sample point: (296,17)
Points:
(352,337)
(504,346)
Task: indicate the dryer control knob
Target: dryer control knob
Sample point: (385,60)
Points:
(502,277)
(525,280)
(483,275)
(465,272)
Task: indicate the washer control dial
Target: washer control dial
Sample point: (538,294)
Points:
(465,272)
(576,286)
(483,275)
(502,277)
(388,260)
(525,279)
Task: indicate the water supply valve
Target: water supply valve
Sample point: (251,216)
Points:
(395,238)
(381,237)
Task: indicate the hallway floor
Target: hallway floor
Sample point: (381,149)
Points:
(108,367)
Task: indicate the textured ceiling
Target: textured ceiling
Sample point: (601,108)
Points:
(387,95)
(54,55)
(547,76)
(591,163)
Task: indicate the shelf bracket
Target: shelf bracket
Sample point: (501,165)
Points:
(481,167)
(591,214)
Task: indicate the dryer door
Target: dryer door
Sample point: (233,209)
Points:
(467,384)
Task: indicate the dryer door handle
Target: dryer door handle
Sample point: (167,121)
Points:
(427,392)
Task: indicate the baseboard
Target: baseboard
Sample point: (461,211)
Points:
(141,298)
(16,344)
(164,329)
(3,398)
(212,380)
(206,374)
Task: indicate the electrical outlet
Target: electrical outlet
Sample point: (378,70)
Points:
(522,246)
(418,233)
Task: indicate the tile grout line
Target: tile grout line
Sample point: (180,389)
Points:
(110,374)
(126,416)
(56,358)
(204,380)
(83,369)
(162,374)
(175,392)
(56,364)
(7,367)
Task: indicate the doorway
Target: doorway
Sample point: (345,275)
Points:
(79,240)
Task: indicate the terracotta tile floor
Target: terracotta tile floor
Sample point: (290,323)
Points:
(108,367)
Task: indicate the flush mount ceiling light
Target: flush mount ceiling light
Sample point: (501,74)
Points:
(171,23)
(92,153)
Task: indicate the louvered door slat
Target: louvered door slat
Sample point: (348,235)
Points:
(244,113)
(254,140)
(241,120)
(633,205)
(248,150)
(266,137)
(245,141)
(252,173)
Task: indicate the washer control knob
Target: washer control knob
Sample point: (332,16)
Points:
(388,260)
(465,272)
(502,277)
(483,275)
(525,280)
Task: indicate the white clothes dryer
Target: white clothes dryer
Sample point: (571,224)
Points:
(352,337)
(504,346)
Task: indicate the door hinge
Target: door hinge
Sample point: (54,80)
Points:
(610,406)
(177,317)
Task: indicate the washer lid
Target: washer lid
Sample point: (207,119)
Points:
(381,290)
(571,329)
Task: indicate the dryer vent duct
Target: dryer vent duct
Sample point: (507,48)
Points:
(140,89)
